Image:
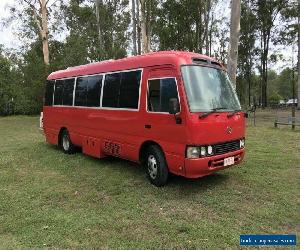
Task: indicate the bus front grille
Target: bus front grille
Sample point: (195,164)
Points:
(226,147)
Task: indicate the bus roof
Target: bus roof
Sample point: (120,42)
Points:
(133,62)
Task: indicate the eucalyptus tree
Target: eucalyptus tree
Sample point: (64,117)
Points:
(185,25)
(148,14)
(289,32)
(247,50)
(83,40)
(266,12)
(234,39)
(133,18)
(298,54)
(33,18)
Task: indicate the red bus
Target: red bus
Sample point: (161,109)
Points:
(173,112)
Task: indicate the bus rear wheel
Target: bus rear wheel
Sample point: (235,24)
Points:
(65,143)
(156,166)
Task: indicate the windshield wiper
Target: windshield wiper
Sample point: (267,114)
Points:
(233,113)
(210,112)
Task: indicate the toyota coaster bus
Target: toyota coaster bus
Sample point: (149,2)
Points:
(173,112)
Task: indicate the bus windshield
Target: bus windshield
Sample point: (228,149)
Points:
(209,89)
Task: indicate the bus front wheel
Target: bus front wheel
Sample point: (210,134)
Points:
(156,166)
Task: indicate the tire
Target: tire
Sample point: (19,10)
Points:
(65,143)
(156,166)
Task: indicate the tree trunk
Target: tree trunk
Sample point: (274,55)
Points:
(206,27)
(144,27)
(138,27)
(148,24)
(133,28)
(234,39)
(249,73)
(97,3)
(210,33)
(45,32)
(298,54)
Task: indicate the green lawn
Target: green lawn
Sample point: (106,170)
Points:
(57,201)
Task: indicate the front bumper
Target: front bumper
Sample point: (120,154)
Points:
(199,167)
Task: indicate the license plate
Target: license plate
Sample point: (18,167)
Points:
(228,161)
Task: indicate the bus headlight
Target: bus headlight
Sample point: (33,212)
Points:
(203,151)
(192,152)
(209,150)
(242,143)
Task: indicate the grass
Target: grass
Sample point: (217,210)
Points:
(57,201)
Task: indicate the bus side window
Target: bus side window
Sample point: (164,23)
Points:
(111,90)
(129,90)
(121,90)
(49,93)
(80,91)
(160,91)
(94,90)
(88,91)
(58,92)
(67,98)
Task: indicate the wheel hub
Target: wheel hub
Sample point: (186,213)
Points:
(152,166)
(66,143)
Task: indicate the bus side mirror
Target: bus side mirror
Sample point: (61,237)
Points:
(173,106)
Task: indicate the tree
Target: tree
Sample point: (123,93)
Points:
(35,19)
(139,44)
(7,75)
(234,39)
(207,43)
(133,17)
(266,12)
(179,26)
(145,26)
(246,49)
(99,3)
(82,43)
(40,17)
(298,54)
(289,32)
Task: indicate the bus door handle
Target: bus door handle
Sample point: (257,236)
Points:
(148,126)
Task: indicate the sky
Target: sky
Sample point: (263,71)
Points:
(10,40)
(6,35)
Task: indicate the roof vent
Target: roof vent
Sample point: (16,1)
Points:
(200,60)
(205,61)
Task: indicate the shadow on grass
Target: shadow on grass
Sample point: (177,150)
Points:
(138,174)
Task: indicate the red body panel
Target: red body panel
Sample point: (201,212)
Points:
(101,131)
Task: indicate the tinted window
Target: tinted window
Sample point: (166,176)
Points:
(121,90)
(58,92)
(94,91)
(129,89)
(49,93)
(68,92)
(88,91)
(160,92)
(80,91)
(111,90)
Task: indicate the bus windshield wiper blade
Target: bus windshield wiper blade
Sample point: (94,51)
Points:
(210,112)
(233,113)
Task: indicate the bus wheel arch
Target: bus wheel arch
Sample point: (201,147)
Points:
(64,141)
(143,148)
(152,157)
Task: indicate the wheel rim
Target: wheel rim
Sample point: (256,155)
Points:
(152,166)
(65,142)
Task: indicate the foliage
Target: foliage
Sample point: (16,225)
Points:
(174,25)
(9,80)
